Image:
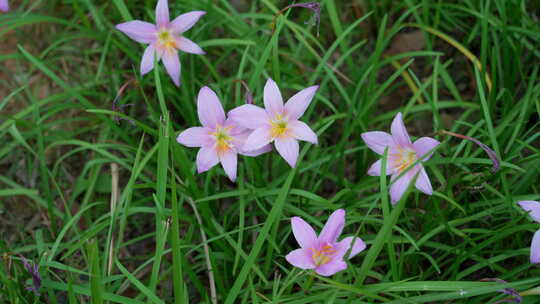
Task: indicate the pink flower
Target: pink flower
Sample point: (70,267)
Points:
(402,153)
(4,5)
(164,38)
(219,138)
(324,254)
(277,123)
(533,208)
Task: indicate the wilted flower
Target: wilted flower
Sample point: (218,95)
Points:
(324,253)
(4,5)
(164,38)
(219,138)
(402,153)
(533,208)
(277,123)
(33,269)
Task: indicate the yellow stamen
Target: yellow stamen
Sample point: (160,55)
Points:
(166,40)
(224,142)
(323,256)
(280,127)
(404,158)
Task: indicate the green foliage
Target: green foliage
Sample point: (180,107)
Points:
(471,68)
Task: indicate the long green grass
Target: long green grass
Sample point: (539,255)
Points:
(111,208)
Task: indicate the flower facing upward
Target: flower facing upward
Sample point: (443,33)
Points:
(164,38)
(402,153)
(4,5)
(219,138)
(533,208)
(277,123)
(324,253)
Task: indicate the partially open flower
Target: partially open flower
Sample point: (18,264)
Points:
(324,253)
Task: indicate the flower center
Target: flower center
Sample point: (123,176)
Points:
(224,141)
(279,126)
(166,40)
(404,158)
(323,255)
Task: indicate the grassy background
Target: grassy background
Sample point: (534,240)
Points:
(113,211)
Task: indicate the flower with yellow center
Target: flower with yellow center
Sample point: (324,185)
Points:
(323,253)
(164,39)
(403,158)
(277,123)
(219,138)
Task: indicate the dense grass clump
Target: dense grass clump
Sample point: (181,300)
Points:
(100,204)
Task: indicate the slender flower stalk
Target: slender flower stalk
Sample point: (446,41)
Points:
(164,39)
(278,123)
(220,139)
(4,5)
(533,208)
(323,253)
(402,154)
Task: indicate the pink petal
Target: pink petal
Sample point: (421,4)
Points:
(535,248)
(378,141)
(398,188)
(172,65)
(332,267)
(532,207)
(300,258)
(188,46)
(195,137)
(147,62)
(258,139)
(257,152)
(241,140)
(273,102)
(229,161)
(209,107)
(302,131)
(422,182)
(425,145)
(206,159)
(333,227)
(297,105)
(4,5)
(185,21)
(375,169)
(249,116)
(162,13)
(303,233)
(345,244)
(288,148)
(399,133)
(139,31)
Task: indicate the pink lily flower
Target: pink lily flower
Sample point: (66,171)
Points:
(277,123)
(402,153)
(219,138)
(533,208)
(164,38)
(324,253)
(4,5)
